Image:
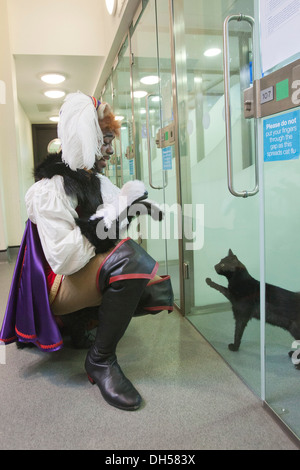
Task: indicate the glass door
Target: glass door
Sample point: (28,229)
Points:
(280,154)
(282,228)
(154,134)
(111,170)
(122,105)
(219,174)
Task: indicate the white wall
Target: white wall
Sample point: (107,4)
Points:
(10,219)
(64,27)
(25,159)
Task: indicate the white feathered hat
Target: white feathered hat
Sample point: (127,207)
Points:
(79,130)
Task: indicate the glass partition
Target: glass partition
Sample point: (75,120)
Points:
(282,261)
(111,167)
(123,109)
(226,227)
(154,125)
(222,241)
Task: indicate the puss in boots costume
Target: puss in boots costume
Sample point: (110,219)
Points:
(72,267)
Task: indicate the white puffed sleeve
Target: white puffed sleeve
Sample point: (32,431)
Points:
(116,200)
(48,206)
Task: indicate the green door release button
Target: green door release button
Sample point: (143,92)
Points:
(282,90)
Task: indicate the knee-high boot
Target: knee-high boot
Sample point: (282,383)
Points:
(157,296)
(122,280)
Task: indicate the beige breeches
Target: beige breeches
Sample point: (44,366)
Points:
(80,290)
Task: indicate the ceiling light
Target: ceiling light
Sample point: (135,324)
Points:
(197,79)
(111,6)
(119,118)
(53,78)
(150,80)
(54,146)
(212,52)
(54,118)
(155,99)
(139,94)
(54,94)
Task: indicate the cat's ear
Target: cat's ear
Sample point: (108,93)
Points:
(230,252)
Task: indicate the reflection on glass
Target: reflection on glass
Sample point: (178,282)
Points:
(150,45)
(282,225)
(111,166)
(123,108)
(224,295)
(229,223)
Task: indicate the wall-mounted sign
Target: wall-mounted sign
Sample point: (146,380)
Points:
(279,20)
(167,158)
(282,137)
(131,167)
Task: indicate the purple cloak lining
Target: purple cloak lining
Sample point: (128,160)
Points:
(28,315)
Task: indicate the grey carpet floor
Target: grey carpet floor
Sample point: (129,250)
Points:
(192,399)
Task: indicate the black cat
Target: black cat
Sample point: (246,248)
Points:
(282,306)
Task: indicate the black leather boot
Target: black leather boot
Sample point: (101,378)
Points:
(122,280)
(79,325)
(157,296)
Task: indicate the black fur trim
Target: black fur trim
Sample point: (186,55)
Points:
(89,230)
(86,187)
(82,184)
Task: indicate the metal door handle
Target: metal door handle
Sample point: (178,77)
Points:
(121,159)
(226,63)
(149,144)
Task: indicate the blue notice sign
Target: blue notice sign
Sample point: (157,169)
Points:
(282,137)
(167,158)
(131,167)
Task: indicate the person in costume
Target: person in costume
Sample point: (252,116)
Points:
(73,265)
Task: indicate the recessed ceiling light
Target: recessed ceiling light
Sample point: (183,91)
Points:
(150,80)
(54,146)
(197,79)
(53,78)
(111,6)
(212,52)
(54,93)
(119,118)
(139,94)
(54,118)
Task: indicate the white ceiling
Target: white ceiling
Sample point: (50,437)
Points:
(82,42)
(74,37)
(82,73)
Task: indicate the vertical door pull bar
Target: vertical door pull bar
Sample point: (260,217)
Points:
(226,62)
(149,144)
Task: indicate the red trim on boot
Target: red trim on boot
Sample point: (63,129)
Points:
(162,307)
(106,258)
(122,277)
(163,278)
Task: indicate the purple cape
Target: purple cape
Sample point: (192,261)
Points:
(28,315)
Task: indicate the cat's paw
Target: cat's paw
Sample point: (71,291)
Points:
(208,281)
(233,347)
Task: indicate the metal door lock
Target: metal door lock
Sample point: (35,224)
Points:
(249,110)
(248,105)
(165,136)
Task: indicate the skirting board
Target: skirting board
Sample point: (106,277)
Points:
(8,255)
